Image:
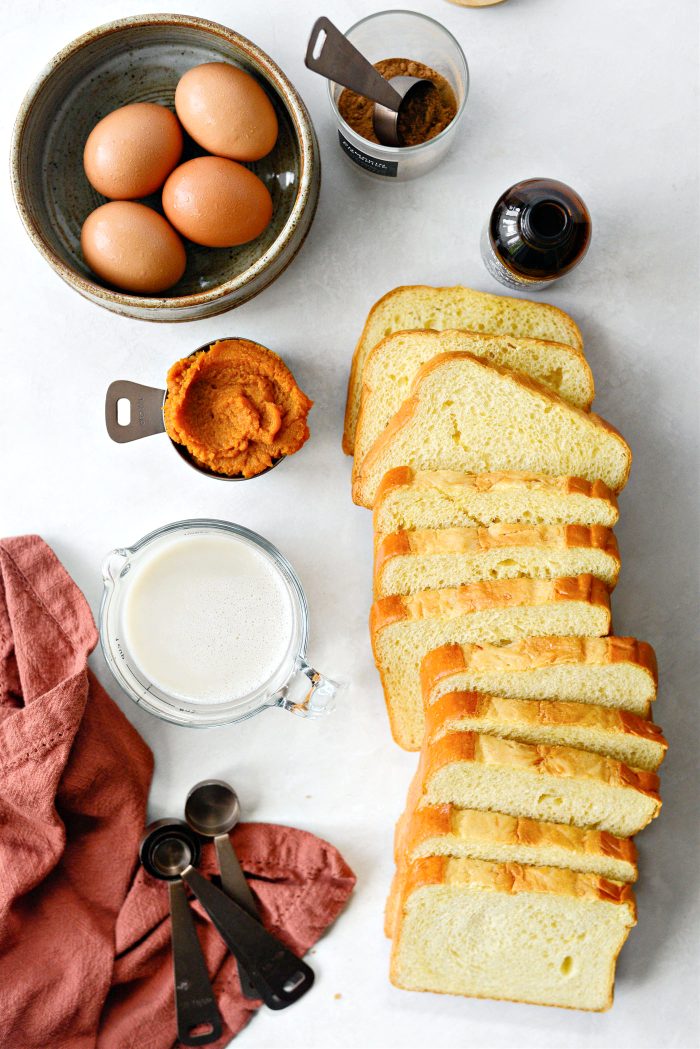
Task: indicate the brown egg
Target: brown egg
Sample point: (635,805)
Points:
(131,152)
(226,111)
(132,247)
(216,202)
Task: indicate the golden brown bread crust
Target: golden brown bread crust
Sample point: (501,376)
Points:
(416,826)
(405,476)
(564,762)
(474,705)
(533,652)
(513,878)
(409,407)
(510,878)
(427,542)
(361,350)
(476,597)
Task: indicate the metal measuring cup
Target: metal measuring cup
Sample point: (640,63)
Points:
(332,55)
(146,418)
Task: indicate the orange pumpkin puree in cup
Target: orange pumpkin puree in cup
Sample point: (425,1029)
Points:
(236,408)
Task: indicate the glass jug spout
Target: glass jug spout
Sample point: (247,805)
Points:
(308,693)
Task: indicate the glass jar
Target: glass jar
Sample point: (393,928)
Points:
(291,684)
(403,34)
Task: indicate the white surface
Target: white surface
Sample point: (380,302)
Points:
(599,93)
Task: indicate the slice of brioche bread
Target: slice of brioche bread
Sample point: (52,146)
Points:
(393,363)
(423,307)
(446,830)
(489,930)
(408,499)
(429,558)
(541,782)
(404,629)
(463,414)
(615,734)
(610,671)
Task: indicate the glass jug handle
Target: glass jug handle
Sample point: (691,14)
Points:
(309,694)
(113,565)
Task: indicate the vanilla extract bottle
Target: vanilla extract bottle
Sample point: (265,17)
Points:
(538,231)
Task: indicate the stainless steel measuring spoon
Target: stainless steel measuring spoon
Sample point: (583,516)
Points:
(196,1011)
(145,404)
(280,977)
(331,54)
(212,810)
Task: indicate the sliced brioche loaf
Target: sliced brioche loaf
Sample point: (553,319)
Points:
(489,930)
(610,671)
(616,734)
(393,363)
(446,830)
(463,414)
(404,629)
(408,499)
(541,782)
(424,307)
(426,558)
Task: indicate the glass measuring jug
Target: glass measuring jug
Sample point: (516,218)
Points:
(204,623)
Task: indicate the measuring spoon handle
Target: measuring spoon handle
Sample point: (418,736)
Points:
(335,58)
(195,1005)
(280,977)
(233,880)
(234,884)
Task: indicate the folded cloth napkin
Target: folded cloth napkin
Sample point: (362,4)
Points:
(84,938)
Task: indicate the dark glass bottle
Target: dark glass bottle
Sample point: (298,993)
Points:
(538,231)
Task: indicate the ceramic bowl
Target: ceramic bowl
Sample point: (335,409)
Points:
(141,59)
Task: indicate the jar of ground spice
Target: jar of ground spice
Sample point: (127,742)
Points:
(404,43)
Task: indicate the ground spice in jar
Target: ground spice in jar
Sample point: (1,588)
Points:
(422,118)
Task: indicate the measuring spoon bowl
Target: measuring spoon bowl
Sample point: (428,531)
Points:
(212,808)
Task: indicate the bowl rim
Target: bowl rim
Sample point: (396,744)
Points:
(302,127)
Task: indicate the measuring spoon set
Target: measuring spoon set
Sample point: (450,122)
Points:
(170,851)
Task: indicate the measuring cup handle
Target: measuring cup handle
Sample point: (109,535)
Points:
(195,1005)
(340,61)
(145,411)
(308,693)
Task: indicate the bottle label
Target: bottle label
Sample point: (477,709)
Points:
(503,275)
(389,168)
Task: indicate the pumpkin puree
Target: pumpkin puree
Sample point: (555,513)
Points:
(236,408)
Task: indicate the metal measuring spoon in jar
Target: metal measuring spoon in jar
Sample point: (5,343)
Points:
(212,810)
(332,55)
(196,1011)
(170,850)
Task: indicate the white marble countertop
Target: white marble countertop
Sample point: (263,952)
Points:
(598,93)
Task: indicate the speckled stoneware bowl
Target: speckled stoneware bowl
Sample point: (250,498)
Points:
(141,59)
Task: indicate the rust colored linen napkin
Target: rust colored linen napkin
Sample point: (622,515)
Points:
(84,938)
